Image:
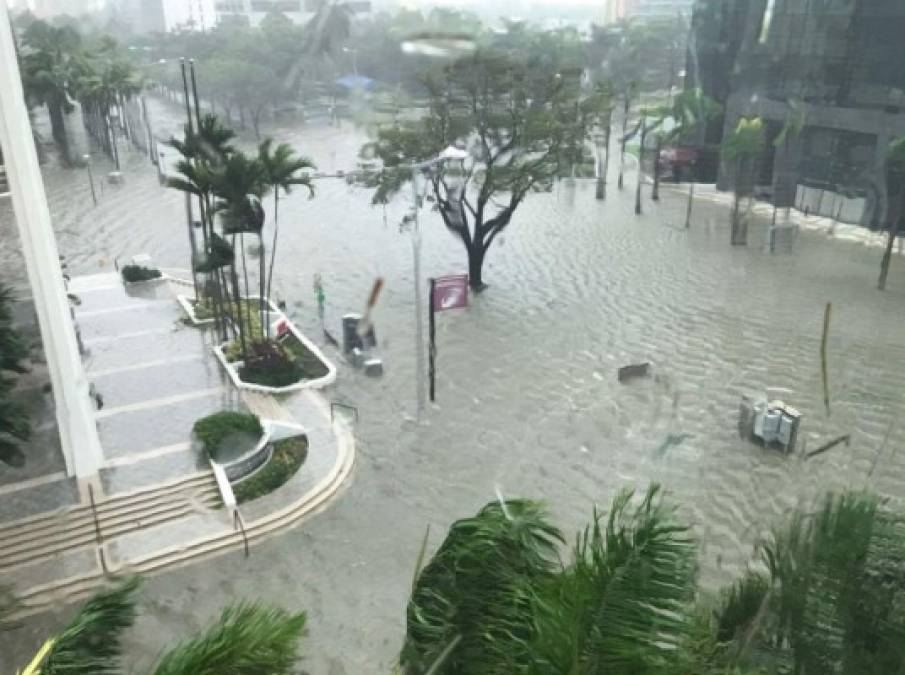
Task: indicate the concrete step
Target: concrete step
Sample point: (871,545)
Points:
(42,598)
(120,515)
(50,519)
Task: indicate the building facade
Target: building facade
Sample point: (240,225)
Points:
(835,65)
(166,16)
(621,10)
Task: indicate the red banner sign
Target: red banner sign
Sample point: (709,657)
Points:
(450,292)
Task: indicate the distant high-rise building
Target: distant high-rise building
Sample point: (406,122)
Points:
(164,16)
(252,12)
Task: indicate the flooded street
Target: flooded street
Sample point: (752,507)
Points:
(527,397)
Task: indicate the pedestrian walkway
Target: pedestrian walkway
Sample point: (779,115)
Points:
(156,502)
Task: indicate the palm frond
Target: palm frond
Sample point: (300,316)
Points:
(473,591)
(248,639)
(90,645)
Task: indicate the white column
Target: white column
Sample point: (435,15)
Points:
(74,407)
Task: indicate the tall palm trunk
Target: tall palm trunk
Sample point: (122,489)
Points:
(887,257)
(690,203)
(237,297)
(640,168)
(622,148)
(273,246)
(655,195)
(58,129)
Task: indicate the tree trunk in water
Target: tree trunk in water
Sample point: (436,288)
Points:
(265,324)
(58,130)
(640,173)
(655,195)
(690,205)
(887,258)
(606,164)
(600,190)
(739,236)
(475,267)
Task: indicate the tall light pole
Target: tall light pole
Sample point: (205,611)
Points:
(451,153)
(354,53)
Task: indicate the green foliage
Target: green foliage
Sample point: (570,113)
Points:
(519,123)
(136,273)
(248,639)
(272,365)
(288,457)
(622,605)
(15,425)
(474,591)
(837,591)
(747,141)
(220,254)
(90,644)
(220,429)
(741,604)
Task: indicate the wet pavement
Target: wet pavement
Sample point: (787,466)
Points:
(527,397)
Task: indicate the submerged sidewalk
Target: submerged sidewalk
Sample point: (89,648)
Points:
(156,502)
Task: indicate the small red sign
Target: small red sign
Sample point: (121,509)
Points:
(450,292)
(282,328)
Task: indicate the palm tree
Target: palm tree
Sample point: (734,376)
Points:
(239,185)
(741,148)
(692,111)
(496,597)
(49,65)
(281,171)
(831,599)
(247,639)
(204,151)
(14,422)
(328,28)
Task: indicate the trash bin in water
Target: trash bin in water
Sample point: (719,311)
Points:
(351,338)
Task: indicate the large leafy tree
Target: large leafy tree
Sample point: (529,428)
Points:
(247,639)
(517,123)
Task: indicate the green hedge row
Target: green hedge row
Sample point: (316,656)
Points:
(217,429)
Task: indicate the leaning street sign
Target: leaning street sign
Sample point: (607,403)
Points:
(450,292)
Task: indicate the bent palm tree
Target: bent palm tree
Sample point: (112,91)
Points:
(281,171)
(496,598)
(247,639)
(49,59)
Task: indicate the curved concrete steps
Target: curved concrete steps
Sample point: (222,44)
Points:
(73,589)
(39,538)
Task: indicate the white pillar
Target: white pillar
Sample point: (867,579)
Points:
(74,407)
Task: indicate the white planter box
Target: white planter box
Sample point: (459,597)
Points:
(275,316)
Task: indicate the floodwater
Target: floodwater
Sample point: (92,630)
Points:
(527,397)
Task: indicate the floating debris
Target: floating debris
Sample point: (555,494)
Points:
(671,440)
(823,368)
(633,371)
(829,446)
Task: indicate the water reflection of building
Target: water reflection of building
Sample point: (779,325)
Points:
(842,61)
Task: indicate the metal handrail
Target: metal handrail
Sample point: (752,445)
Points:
(345,406)
(99,538)
(239,524)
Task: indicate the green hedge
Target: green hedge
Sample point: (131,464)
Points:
(288,457)
(214,429)
(133,273)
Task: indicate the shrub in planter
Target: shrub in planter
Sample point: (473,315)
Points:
(223,433)
(288,456)
(271,365)
(134,273)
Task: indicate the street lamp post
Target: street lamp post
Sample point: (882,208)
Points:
(87,159)
(354,53)
(451,153)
